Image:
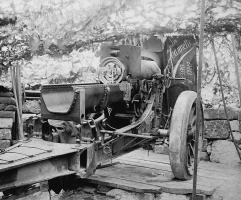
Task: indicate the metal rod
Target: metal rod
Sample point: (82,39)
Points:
(198,102)
(129,134)
(223,99)
(236,66)
(140,142)
(128,143)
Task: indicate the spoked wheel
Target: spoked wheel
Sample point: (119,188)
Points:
(182,135)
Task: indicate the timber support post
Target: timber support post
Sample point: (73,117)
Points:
(198,104)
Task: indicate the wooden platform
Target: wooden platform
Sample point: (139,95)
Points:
(33,151)
(36,160)
(140,172)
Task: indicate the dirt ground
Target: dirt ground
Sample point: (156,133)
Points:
(230,189)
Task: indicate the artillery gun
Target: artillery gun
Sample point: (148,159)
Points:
(144,94)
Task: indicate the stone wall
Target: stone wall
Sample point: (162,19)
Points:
(7,118)
(219,146)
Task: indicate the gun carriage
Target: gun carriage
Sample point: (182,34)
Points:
(145,94)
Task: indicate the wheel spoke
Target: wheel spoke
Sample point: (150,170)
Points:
(190,155)
(191,148)
(192,122)
(194,119)
(193,130)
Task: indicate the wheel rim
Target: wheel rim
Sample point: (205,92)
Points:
(182,135)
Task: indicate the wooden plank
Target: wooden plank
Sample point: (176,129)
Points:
(57,149)
(161,161)
(142,154)
(147,164)
(135,173)
(166,167)
(6,122)
(159,178)
(123,184)
(154,171)
(174,187)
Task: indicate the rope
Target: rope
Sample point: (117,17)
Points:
(224,103)
(236,67)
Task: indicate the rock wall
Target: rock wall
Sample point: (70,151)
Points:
(219,146)
(7,118)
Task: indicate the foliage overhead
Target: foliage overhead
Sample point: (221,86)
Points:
(13,48)
(58,26)
(53,33)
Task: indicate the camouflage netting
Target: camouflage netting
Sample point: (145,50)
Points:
(57,41)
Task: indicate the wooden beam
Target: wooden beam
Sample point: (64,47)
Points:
(198,104)
(20,103)
(35,172)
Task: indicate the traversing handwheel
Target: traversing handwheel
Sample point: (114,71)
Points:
(182,135)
